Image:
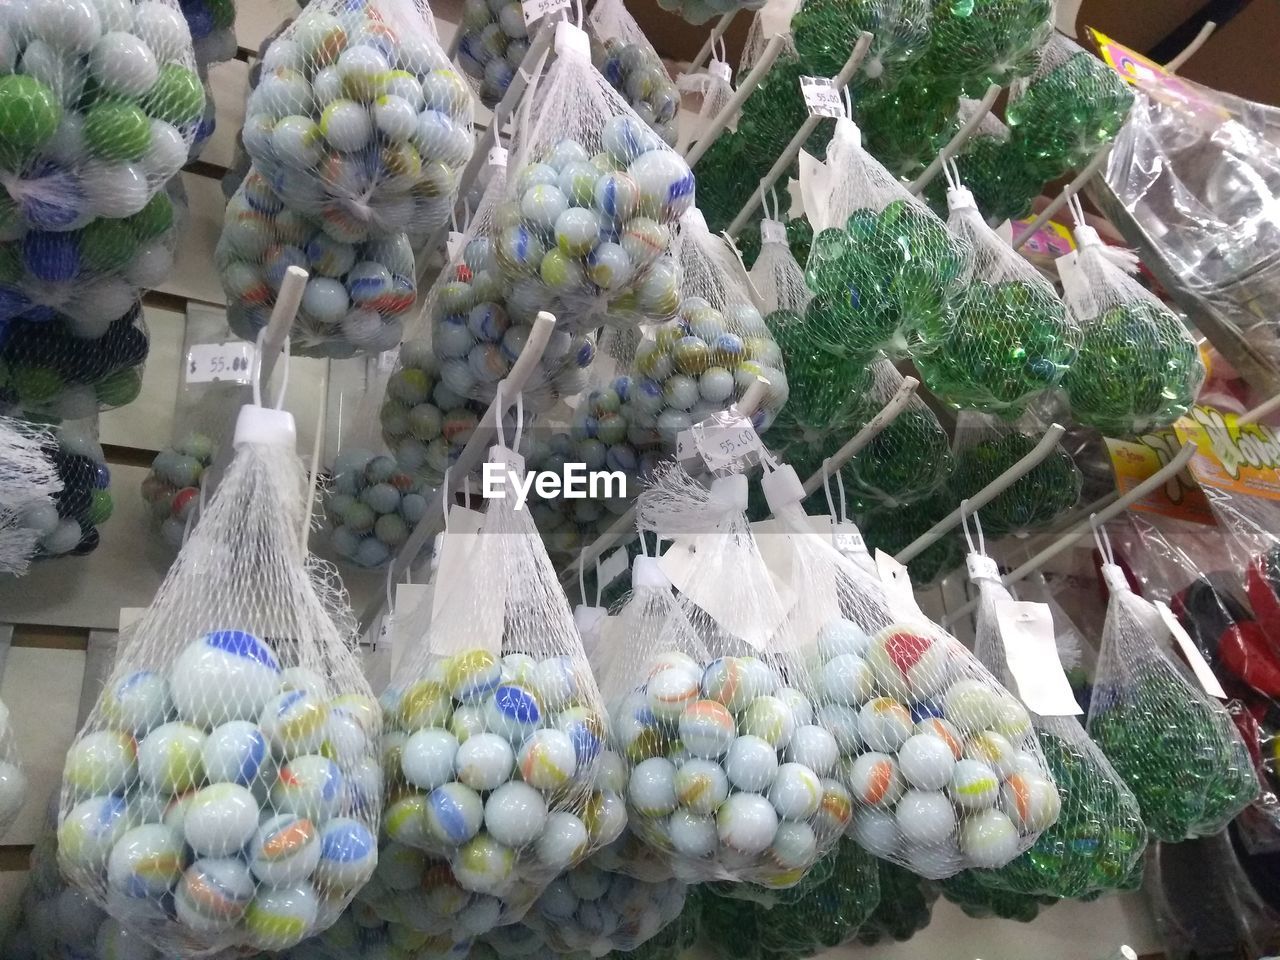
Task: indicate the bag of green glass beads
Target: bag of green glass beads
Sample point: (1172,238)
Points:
(592,196)
(705,358)
(995,171)
(981,902)
(985,447)
(826,30)
(495,724)
(1067,110)
(833,911)
(884,270)
(626,58)
(1096,836)
(1164,733)
(1009,337)
(980,42)
(905,908)
(1138,368)
(905,126)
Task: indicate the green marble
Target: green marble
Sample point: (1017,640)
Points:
(905,908)
(981,902)
(1036,499)
(987,41)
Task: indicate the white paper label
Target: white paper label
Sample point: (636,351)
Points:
(727,441)
(454,547)
(535,10)
(822,97)
(1075,289)
(505,455)
(229,362)
(612,567)
(743,621)
(453,245)
(1005,232)
(721,70)
(847,538)
(771,231)
(815,192)
(898,595)
(1031,651)
(981,567)
(398,622)
(1189,650)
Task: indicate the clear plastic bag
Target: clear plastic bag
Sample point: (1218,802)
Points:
(705,358)
(984,448)
(495,728)
(100,107)
(1097,840)
(360,120)
(1175,747)
(592,197)
(884,270)
(626,58)
(28,483)
(358,289)
(1067,110)
(826,31)
(226,788)
(1010,338)
(1138,368)
(13,781)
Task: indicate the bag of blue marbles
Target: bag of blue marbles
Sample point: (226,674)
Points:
(359,118)
(225,790)
(626,58)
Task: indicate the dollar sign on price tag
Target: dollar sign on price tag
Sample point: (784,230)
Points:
(230,362)
(727,441)
(535,10)
(821,96)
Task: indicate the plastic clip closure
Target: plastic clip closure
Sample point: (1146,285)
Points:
(572,41)
(730,491)
(646,573)
(782,488)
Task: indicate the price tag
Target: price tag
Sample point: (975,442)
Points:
(230,362)
(535,10)
(822,97)
(454,547)
(721,70)
(847,538)
(505,455)
(1195,659)
(453,245)
(396,626)
(981,567)
(1031,651)
(899,597)
(727,441)
(612,567)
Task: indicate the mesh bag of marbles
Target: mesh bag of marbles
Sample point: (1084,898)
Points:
(1068,109)
(1138,368)
(495,725)
(13,782)
(98,109)
(905,908)
(714,85)
(213,36)
(994,171)
(985,447)
(357,293)
(626,58)
(28,483)
(699,12)
(493,40)
(360,119)
(174,487)
(1096,837)
(1175,746)
(986,41)
(1009,338)
(92,273)
(825,32)
(884,270)
(592,196)
(226,788)
(981,902)
(752,797)
(716,346)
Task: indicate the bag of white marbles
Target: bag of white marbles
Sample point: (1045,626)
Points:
(626,58)
(359,289)
(481,318)
(704,359)
(593,194)
(729,776)
(492,43)
(28,482)
(225,790)
(360,119)
(495,724)
(13,782)
(98,108)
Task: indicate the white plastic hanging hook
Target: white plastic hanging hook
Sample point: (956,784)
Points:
(582,581)
(965,516)
(826,486)
(444,501)
(259,376)
(1103,539)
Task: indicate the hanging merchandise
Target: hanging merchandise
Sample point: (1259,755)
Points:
(1097,840)
(1067,110)
(592,198)
(497,725)
(238,693)
(703,360)
(986,41)
(360,934)
(981,902)
(714,86)
(993,169)
(97,114)
(93,273)
(174,486)
(213,35)
(906,906)
(1175,747)
(825,31)
(29,481)
(492,43)
(891,528)
(699,12)
(884,270)
(1138,368)
(358,289)
(359,120)
(626,58)
(758,801)
(1009,338)
(13,781)
(985,447)
(905,126)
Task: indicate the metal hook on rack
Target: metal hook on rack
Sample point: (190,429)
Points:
(956,143)
(792,149)
(727,112)
(984,496)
